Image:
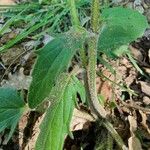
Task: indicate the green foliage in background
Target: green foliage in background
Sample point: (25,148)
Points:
(12,108)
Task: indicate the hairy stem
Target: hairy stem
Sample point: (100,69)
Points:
(114,134)
(91,69)
(91,76)
(83,57)
(74,13)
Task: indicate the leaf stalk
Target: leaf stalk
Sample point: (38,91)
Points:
(74,13)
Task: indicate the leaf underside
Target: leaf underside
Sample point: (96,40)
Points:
(12,107)
(56,123)
(121,26)
(52,60)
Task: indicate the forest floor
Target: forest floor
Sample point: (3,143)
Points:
(131,117)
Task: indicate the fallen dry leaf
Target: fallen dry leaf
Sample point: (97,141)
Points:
(133,124)
(134,143)
(104,87)
(21,125)
(80,120)
(147,70)
(12,55)
(7,2)
(36,132)
(18,80)
(145,87)
(132,76)
(144,120)
(146,100)
(136,53)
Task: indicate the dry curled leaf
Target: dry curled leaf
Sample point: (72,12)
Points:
(146,100)
(134,143)
(133,124)
(104,87)
(136,53)
(145,87)
(144,120)
(12,55)
(81,120)
(36,130)
(18,80)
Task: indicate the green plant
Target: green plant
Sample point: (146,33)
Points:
(109,31)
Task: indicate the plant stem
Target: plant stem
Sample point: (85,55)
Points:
(91,69)
(83,58)
(74,13)
(91,75)
(114,134)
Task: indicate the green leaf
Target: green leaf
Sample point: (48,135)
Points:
(121,50)
(121,26)
(101,99)
(80,89)
(53,59)
(56,123)
(12,107)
